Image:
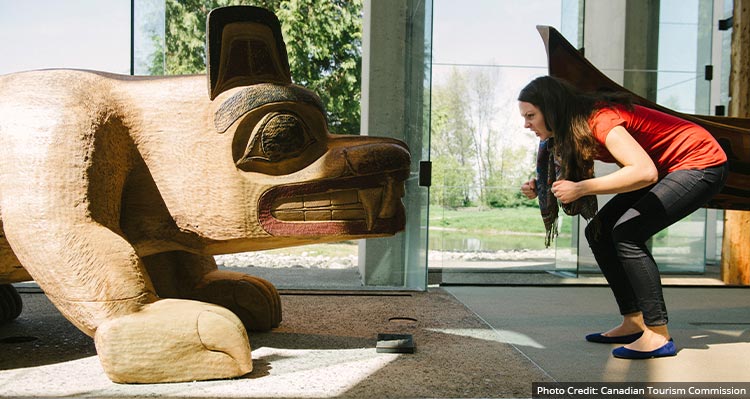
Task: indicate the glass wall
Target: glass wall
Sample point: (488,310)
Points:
(684,52)
(684,79)
(397,46)
(480,151)
(684,84)
(476,227)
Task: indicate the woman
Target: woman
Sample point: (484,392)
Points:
(669,167)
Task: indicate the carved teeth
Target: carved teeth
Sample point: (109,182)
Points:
(371,200)
(342,205)
(391,198)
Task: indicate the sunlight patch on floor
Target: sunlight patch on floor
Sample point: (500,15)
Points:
(502,336)
(276,373)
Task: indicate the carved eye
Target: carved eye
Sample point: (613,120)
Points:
(277,141)
(283,136)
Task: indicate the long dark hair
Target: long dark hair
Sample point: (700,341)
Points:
(566,113)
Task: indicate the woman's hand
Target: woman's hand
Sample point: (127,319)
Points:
(529,189)
(566,191)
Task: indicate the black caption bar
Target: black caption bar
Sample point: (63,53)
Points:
(637,390)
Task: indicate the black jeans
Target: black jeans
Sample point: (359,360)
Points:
(618,233)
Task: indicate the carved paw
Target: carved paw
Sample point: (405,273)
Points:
(254,300)
(174,340)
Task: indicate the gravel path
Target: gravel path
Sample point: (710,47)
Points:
(261,259)
(306,261)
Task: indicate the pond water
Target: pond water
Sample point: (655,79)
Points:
(458,241)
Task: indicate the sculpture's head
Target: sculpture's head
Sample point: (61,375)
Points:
(312,183)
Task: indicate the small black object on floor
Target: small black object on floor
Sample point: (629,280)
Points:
(395,343)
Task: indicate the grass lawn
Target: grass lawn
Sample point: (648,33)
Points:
(525,220)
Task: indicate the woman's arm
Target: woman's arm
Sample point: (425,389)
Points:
(637,171)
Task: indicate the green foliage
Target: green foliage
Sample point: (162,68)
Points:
(182,50)
(522,219)
(450,121)
(508,198)
(504,190)
(452,146)
(324,42)
(451,182)
(473,159)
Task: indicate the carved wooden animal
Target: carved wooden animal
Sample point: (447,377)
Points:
(116,192)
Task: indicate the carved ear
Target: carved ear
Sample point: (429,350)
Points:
(244,46)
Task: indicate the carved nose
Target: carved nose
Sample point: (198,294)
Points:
(378,157)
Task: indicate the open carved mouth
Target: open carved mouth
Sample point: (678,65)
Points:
(361,205)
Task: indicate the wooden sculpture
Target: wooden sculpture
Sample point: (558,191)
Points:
(116,192)
(733,134)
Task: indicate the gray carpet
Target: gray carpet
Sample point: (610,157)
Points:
(325,347)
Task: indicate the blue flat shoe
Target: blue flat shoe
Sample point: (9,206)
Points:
(666,350)
(622,339)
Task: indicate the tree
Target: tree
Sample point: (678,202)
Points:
(478,146)
(514,148)
(324,43)
(451,188)
(453,150)
(451,126)
(482,97)
(505,181)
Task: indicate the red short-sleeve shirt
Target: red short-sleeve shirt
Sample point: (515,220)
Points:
(671,142)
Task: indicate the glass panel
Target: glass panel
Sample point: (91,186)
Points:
(418,224)
(714,235)
(685,30)
(148,37)
(396,99)
(678,249)
(684,49)
(326,265)
(566,246)
(725,54)
(571,24)
(571,235)
(479,222)
(89,34)
(681,247)
(509,238)
(169,40)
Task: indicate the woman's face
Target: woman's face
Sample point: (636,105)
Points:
(534,120)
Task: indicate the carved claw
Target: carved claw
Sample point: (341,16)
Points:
(254,300)
(174,340)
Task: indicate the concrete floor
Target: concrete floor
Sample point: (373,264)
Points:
(710,326)
(472,342)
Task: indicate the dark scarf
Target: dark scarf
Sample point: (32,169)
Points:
(547,171)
